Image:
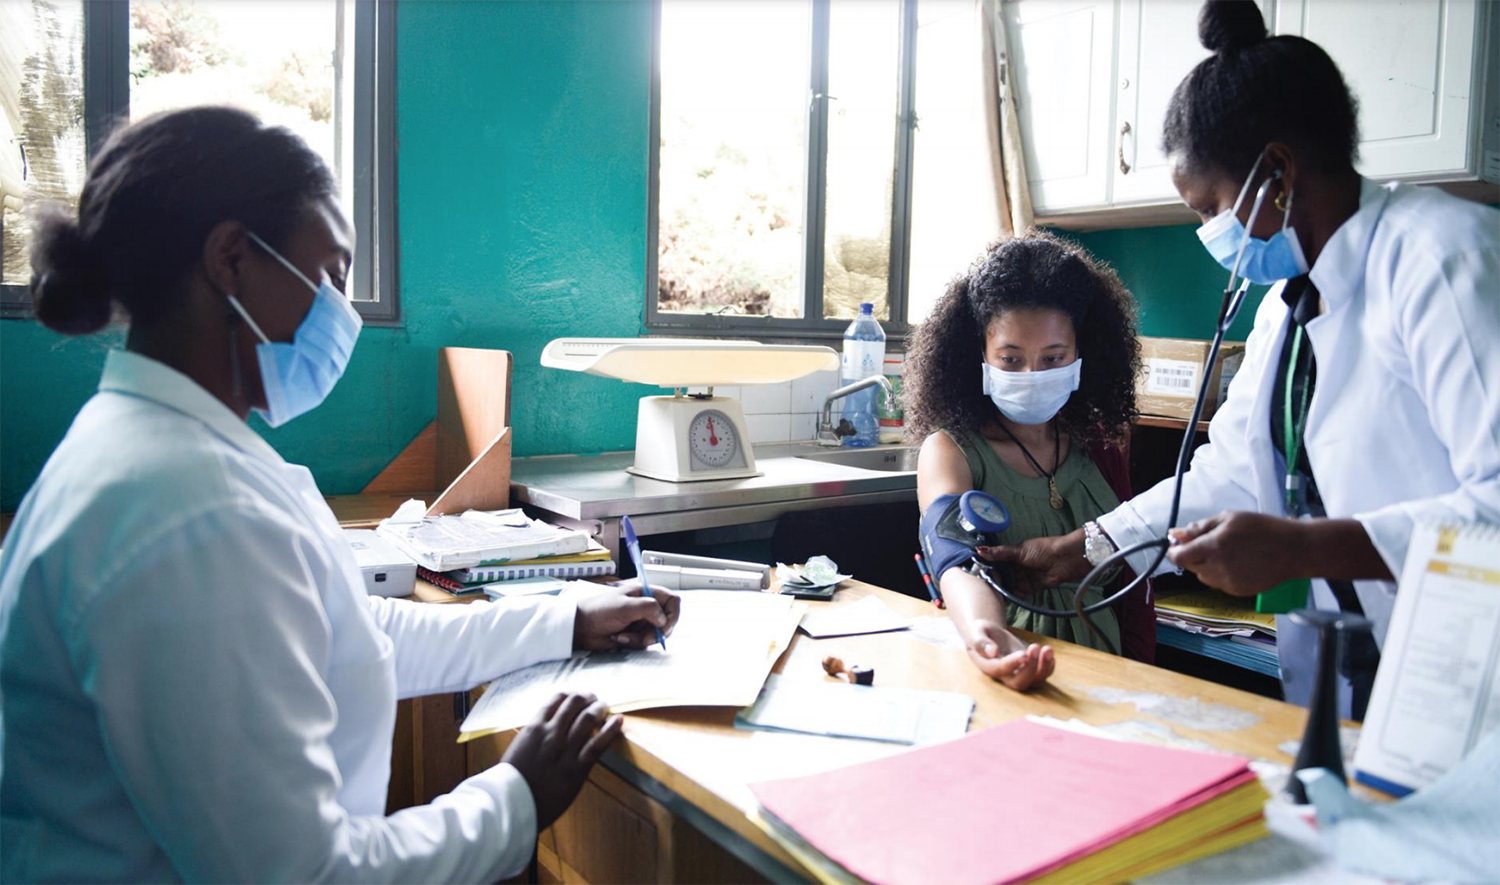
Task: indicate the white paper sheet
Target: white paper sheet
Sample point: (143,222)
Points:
(719,654)
(525,587)
(868,615)
(896,715)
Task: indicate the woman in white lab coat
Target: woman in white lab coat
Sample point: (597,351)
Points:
(1373,367)
(194,684)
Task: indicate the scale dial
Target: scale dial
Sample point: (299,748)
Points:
(713,440)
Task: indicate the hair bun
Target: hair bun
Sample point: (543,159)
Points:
(69,286)
(1227,25)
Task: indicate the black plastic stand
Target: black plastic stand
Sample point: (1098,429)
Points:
(1320,739)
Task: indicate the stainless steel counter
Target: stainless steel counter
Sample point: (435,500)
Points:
(594,491)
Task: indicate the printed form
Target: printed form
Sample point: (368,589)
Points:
(720,653)
(1437,692)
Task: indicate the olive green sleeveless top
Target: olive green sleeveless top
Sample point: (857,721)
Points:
(1086,496)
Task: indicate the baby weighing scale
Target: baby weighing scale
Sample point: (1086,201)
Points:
(689,437)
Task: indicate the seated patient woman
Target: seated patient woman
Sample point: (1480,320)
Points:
(1039,428)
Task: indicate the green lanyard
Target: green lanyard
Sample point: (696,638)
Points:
(1294,426)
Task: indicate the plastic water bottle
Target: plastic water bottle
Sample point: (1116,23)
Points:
(864,355)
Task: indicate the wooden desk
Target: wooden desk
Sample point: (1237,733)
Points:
(669,802)
(672,801)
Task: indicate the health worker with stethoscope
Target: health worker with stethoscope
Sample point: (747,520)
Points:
(1369,395)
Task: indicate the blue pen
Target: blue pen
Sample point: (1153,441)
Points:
(633,544)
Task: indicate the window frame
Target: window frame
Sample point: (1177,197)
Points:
(811,324)
(106,98)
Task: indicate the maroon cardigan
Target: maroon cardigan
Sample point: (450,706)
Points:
(1137,611)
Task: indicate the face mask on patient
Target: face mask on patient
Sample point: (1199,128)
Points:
(1031,397)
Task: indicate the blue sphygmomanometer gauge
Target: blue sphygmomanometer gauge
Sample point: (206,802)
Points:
(982,513)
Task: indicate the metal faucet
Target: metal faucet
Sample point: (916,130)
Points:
(828,435)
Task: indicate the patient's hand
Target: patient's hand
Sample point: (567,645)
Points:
(1001,656)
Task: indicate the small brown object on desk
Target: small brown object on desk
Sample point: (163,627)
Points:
(856,675)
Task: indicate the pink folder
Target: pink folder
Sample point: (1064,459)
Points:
(1001,805)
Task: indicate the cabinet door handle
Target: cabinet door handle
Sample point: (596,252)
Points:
(1124,131)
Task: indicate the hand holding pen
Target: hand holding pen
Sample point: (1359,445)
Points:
(633,546)
(624,617)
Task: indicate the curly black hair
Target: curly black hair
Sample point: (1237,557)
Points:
(1255,90)
(942,389)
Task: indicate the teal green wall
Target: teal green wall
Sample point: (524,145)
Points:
(44,378)
(522,158)
(1177,284)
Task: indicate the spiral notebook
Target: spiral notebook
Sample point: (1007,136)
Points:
(570,571)
(1437,692)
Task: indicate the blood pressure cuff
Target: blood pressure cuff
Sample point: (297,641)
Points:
(945,543)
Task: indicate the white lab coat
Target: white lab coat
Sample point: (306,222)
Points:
(1404,423)
(194,684)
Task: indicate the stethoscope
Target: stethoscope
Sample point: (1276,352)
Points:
(1229,310)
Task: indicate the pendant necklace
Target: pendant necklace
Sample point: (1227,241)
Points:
(1054,495)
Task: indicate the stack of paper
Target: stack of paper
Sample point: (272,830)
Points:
(720,653)
(1214,614)
(593,562)
(1020,802)
(477,537)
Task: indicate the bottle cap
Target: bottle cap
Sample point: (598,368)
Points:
(866,307)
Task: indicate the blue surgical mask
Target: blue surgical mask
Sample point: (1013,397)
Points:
(1031,397)
(297,376)
(1260,261)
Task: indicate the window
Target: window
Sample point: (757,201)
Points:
(780,164)
(323,68)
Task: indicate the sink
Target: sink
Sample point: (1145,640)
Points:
(900,459)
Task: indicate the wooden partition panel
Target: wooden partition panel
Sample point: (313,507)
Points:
(473,407)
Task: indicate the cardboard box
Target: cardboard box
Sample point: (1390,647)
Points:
(1171,369)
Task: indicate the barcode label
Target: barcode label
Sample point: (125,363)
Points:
(1171,377)
(1227,371)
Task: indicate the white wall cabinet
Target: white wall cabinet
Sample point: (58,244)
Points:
(1415,69)
(1158,47)
(1063,62)
(1093,80)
